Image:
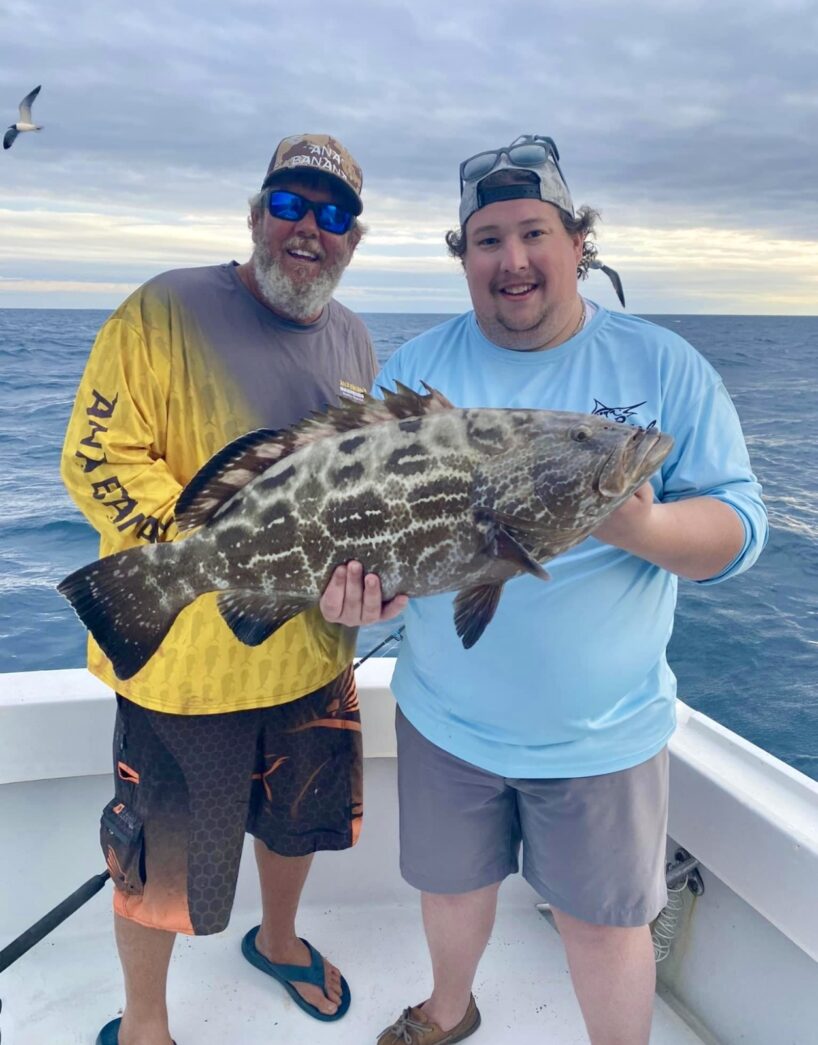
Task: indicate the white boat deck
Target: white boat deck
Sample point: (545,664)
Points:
(66,988)
(744,964)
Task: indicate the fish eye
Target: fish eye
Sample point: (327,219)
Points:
(580,433)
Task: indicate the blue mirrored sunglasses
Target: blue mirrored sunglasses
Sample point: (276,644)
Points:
(529,150)
(289,206)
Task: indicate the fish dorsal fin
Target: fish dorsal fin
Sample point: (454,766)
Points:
(404,402)
(225,473)
(248,456)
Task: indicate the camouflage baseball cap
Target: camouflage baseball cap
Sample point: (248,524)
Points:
(319,152)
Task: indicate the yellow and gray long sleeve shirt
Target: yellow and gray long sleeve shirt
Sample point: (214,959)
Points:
(188,363)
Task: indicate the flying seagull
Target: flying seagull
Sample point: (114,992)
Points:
(25,123)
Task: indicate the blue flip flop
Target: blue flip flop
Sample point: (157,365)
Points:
(287,975)
(109,1035)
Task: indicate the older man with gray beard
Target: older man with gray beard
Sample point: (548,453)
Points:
(214,738)
(305,231)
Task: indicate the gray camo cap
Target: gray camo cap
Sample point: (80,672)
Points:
(547,182)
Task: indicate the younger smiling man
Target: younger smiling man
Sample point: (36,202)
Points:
(551,732)
(214,737)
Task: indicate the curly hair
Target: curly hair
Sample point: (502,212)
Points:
(584,223)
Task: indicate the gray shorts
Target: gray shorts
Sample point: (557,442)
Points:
(593,847)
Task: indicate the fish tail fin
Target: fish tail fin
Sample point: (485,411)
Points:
(128,601)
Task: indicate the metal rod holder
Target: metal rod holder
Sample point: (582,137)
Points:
(684,871)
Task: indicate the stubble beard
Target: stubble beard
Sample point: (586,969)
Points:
(530,334)
(517,334)
(296,300)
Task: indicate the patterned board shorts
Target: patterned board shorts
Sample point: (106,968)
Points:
(189,786)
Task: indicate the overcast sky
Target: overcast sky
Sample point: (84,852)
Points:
(692,126)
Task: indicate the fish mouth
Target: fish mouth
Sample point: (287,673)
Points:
(629,464)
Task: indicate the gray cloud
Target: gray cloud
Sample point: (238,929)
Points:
(670,114)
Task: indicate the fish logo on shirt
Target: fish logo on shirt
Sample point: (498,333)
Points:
(619,413)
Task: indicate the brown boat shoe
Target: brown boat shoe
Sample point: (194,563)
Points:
(413,1027)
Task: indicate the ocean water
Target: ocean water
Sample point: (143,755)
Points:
(745,652)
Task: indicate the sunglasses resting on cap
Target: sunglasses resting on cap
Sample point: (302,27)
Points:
(534,155)
(526,151)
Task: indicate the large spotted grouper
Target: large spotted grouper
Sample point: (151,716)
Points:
(430,497)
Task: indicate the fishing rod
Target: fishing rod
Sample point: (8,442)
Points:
(26,940)
(396,636)
(57,915)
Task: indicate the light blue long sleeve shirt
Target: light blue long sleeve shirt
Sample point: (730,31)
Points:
(570,677)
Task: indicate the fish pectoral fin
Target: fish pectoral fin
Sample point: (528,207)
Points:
(508,547)
(473,609)
(502,542)
(253,617)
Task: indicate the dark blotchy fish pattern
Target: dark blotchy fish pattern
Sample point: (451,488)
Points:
(429,497)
